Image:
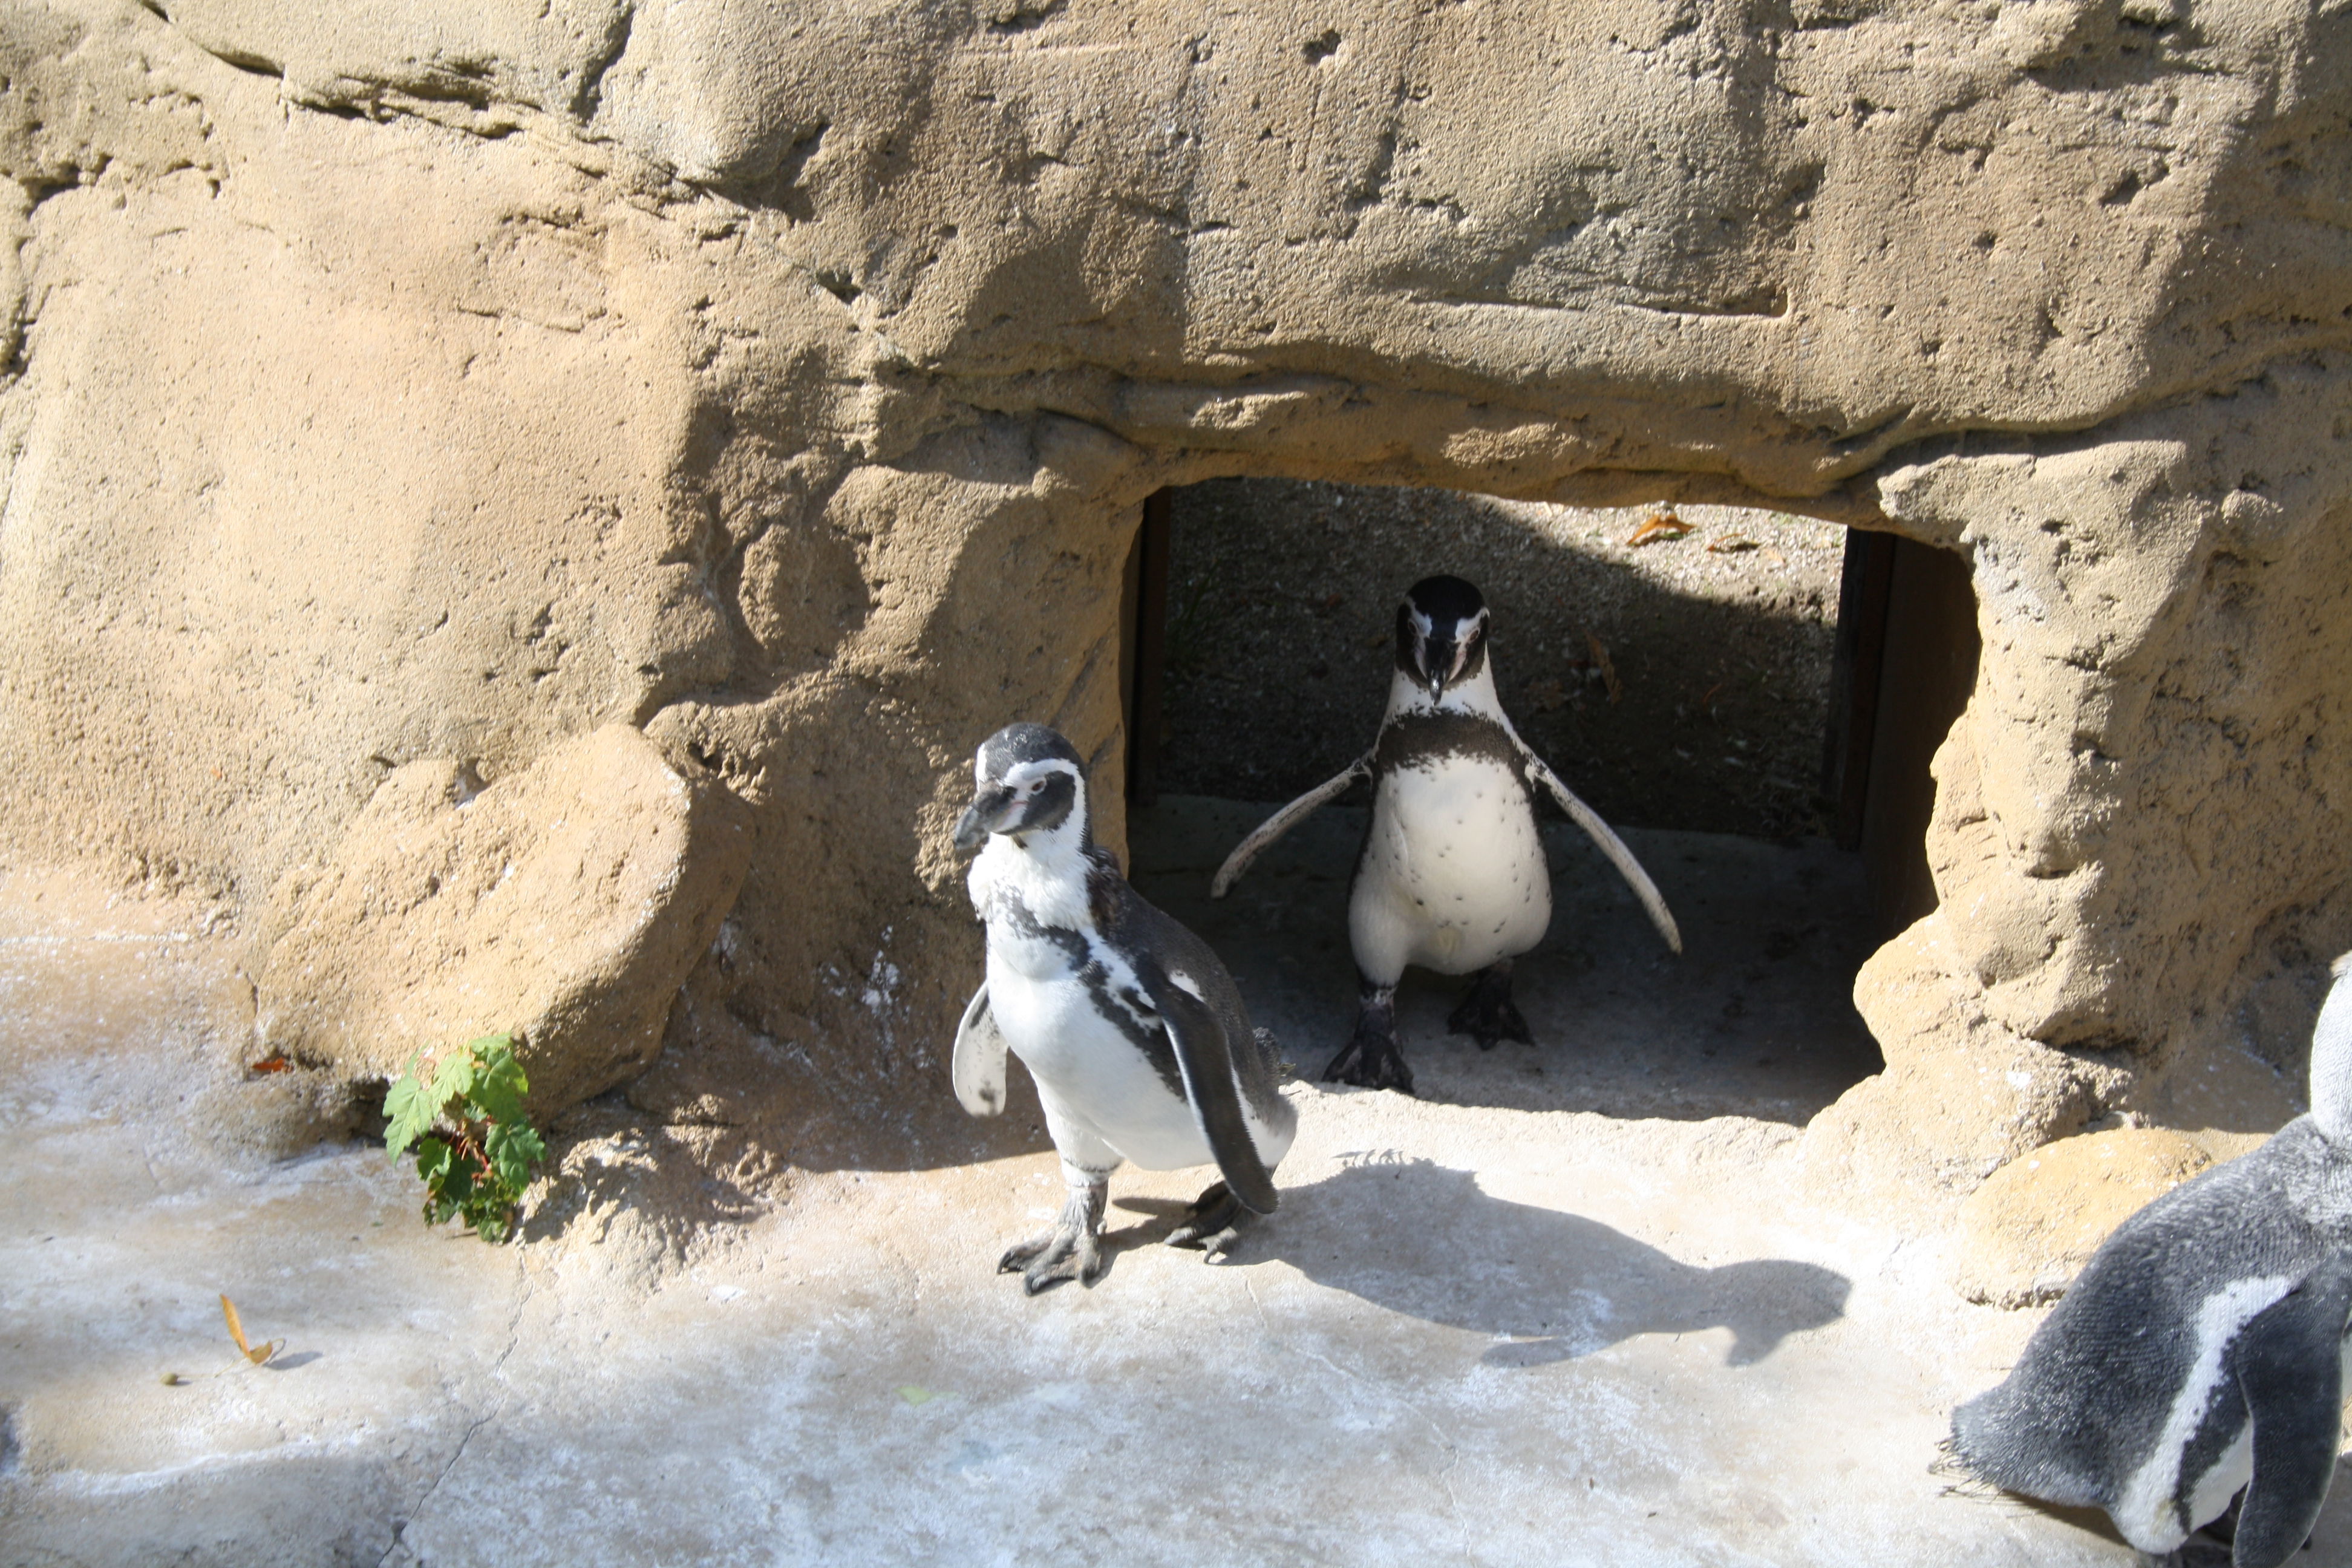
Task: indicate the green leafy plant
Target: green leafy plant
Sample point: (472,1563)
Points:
(474,1147)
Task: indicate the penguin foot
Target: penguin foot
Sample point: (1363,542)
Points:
(1213,1224)
(1372,1058)
(1488,1013)
(1371,1061)
(1071,1250)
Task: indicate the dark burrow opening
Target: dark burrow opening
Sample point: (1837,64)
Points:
(1753,699)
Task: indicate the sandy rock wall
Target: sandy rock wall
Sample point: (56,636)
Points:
(436,384)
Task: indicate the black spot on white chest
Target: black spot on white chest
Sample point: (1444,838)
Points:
(1047,955)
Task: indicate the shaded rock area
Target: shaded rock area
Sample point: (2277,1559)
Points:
(440,384)
(1680,683)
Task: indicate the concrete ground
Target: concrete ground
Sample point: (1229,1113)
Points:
(1569,1308)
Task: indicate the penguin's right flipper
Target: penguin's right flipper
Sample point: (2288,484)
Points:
(978,1069)
(1605,839)
(1206,1061)
(1283,821)
(2290,1368)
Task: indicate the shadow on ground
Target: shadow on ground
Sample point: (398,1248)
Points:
(1552,1286)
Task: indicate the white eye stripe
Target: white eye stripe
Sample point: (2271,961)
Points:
(1026,774)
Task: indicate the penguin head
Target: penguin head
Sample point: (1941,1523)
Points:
(1441,634)
(1025,779)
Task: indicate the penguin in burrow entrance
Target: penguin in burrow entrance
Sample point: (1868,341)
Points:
(1132,1029)
(2200,1353)
(1451,875)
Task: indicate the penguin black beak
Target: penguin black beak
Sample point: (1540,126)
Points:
(1441,664)
(983,816)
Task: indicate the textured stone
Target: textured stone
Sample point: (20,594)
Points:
(563,906)
(2027,1231)
(436,381)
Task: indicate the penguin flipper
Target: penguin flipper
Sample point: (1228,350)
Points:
(1283,821)
(1204,1058)
(2290,1369)
(977,1069)
(1605,839)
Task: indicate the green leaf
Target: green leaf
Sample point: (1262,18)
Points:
(479,1090)
(514,1148)
(498,1080)
(433,1159)
(455,1077)
(412,1109)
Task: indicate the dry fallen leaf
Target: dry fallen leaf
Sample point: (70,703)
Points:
(271,1064)
(1660,525)
(256,1354)
(1775,557)
(1546,695)
(1730,545)
(1608,670)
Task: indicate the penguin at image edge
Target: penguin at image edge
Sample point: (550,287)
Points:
(1132,1029)
(2200,1351)
(1451,875)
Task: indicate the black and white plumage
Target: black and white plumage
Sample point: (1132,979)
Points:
(1452,876)
(2202,1349)
(1132,1028)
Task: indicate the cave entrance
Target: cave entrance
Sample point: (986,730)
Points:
(1754,703)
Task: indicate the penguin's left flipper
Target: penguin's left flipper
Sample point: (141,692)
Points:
(1206,1061)
(1605,839)
(2290,1368)
(978,1069)
(1283,821)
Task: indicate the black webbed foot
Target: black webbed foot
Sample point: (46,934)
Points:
(1488,1013)
(1213,1224)
(1372,1057)
(1071,1250)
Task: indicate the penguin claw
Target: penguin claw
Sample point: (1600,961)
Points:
(1370,1062)
(1488,1014)
(1071,1250)
(1212,1224)
(1065,1252)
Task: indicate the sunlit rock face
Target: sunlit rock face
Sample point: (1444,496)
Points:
(438,384)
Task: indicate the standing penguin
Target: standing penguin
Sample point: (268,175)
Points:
(2201,1351)
(1452,876)
(1135,1033)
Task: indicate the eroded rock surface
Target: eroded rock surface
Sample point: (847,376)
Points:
(563,906)
(439,384)
(2027,1231)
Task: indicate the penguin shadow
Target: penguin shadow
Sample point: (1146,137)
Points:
(1423,1241)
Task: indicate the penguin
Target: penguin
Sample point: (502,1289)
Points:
(2201,1351)
(1451,875)
(1131,1027)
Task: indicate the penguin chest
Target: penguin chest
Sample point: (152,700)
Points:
(1453,876)
(1100,1061)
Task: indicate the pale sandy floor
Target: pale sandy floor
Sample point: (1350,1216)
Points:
(1480,1331)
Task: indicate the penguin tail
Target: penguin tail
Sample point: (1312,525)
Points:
(1951,1467)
